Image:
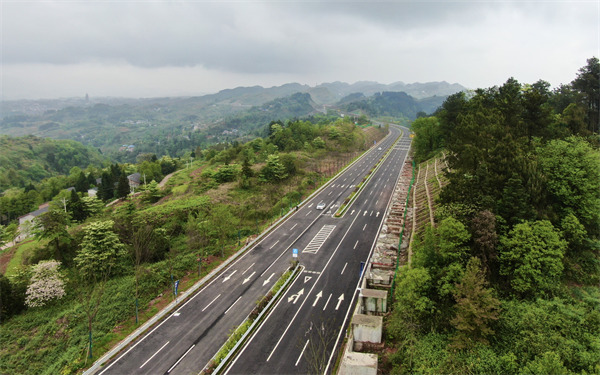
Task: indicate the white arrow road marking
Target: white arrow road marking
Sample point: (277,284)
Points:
(306,278)
(247,269)
(229,276)
(248,278)
(365,213)
(319,295)
(377,214)
(268,280)
(148,360)
(324,307)
(302,352)
(295,297)
(340,299)
(211,302)
(343,269)
(352,213)
(176,313)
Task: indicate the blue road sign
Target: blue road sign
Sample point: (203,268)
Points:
(295,253)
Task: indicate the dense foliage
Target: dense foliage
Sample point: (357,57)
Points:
(394,104)
(30,159)
(507,280)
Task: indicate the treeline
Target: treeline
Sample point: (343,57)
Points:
(507,280)
(111,182)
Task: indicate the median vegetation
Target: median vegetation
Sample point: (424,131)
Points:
(241,333)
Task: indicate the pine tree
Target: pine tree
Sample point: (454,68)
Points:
(476,308)
(122,187)
(76,207)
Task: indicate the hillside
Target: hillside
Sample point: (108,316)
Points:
(29,159)
(207,211)
(392,104)
(503,257)
(172,126)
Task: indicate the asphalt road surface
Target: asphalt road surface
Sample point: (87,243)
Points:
(331,251)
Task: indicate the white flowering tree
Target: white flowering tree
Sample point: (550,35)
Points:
(46,284)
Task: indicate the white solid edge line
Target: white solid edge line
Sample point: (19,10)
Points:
(179,360)
(148,360)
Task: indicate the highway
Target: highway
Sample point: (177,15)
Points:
(331,250)
(301,333)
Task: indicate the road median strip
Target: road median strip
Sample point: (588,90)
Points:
(241,334)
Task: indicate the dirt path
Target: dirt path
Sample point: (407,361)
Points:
(162,183)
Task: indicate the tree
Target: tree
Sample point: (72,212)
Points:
(91,205)
(413,309)
(531,257)
(123,188)
(46,284)
(476,308)
(53,227)
(428,137)
(572,170)
(100,253)
(318,142)
(106,188)
(273,171)
(588,84)
(75,207)
(147,243)
(485,239)
(152,193)
(82,184)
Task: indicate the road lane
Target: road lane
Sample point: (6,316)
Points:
(199,327)
(313,327)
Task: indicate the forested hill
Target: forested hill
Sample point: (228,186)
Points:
(29,159)
(505,280)
(393,104)
(294,106)
(172,126)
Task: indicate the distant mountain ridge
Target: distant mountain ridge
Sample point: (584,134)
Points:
(243,96)
(174,125)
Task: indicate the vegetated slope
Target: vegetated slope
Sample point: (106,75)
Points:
(298,105)
(170,125)
(506,279)
(230,191)
(25,160)
(393,104)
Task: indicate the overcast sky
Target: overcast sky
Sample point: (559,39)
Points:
(167,48)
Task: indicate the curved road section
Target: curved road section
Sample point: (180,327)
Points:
(316,305)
